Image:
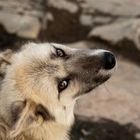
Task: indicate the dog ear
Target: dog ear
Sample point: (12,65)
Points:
(16,109)
(5,60)
(6,56)
(25,118)
(44,113)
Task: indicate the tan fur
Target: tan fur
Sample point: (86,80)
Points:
(30,84)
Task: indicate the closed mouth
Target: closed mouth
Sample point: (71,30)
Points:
(98,81)
(101,79)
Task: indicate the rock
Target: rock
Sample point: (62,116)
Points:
(79,17)
(72,20)
(23,26)
(86,20)
(22,19)
(123,8)
(29,27)
(65,5)
(128,29)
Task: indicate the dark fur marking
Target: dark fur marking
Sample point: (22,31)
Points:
(42,111)
(64,107)
(41,66)
(100,79)
(16,109)
(97,81)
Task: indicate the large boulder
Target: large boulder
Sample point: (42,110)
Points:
(21,17)
(125,29)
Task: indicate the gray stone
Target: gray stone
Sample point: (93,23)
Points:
(21,18)
(70,20)
(64,5)
(86,20)
(118,31)
(23,26)
(114,7)
(29,27)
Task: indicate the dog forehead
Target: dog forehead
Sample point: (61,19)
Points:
(44,66)
(42,46)
(36,49)
(35,45)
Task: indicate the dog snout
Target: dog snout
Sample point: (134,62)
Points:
(109,60)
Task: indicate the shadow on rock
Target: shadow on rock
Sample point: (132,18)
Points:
(103,129)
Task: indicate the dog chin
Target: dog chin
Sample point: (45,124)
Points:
(98,81)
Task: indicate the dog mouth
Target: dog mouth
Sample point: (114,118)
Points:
(99,80)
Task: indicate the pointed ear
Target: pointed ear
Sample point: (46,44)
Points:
(16,109)
(5,60)
(6,56)
(26,118)
(44,113)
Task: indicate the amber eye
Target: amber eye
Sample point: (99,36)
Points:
(63,85)
(60,53)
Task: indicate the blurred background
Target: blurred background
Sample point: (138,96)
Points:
(112,111)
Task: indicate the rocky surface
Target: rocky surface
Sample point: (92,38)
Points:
(119,31)
(21,17)
(113,21)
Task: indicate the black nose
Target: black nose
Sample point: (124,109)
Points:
(109,61)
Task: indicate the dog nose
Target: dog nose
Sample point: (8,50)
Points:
(109,61)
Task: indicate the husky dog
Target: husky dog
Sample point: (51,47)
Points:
(41,85)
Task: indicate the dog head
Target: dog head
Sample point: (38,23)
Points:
(54,76)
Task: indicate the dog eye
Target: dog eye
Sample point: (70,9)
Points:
(63,84)
(60,53)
